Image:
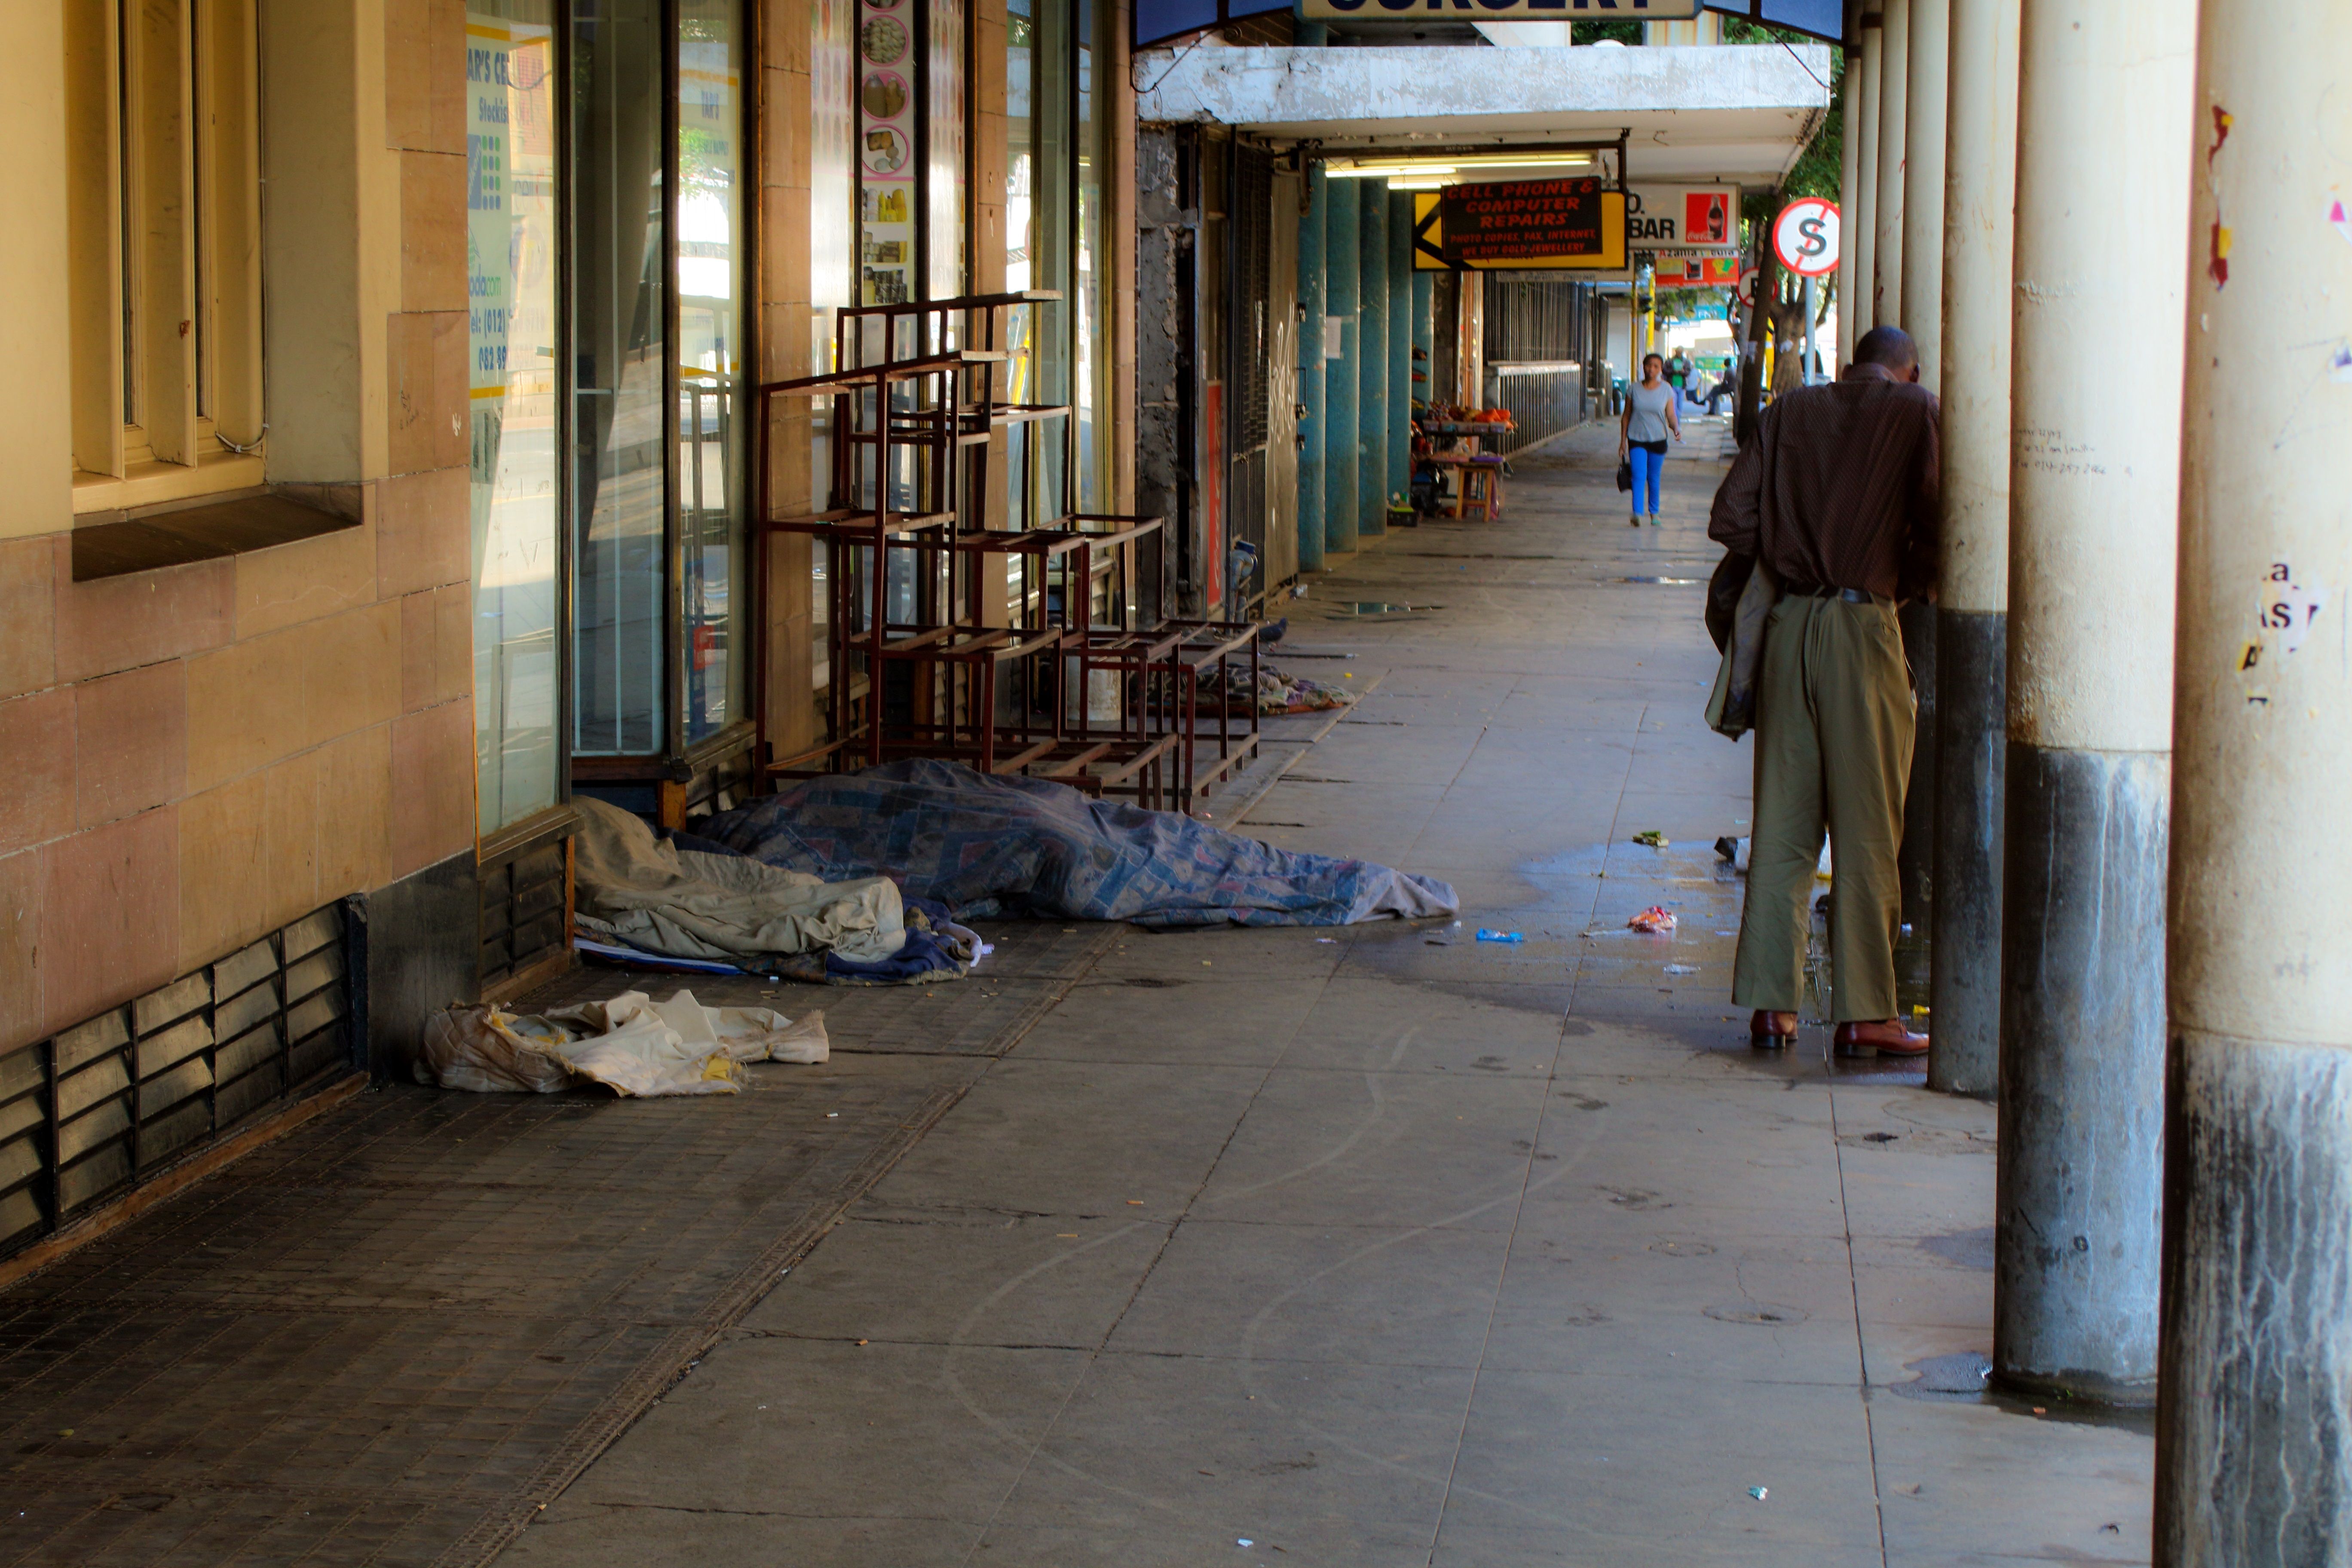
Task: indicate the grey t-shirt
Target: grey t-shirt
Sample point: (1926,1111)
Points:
(1649,421)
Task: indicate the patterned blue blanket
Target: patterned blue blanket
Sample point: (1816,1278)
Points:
(1008,846)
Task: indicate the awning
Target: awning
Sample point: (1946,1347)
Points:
(1728,113)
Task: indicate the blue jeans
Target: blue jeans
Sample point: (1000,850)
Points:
(1649,468)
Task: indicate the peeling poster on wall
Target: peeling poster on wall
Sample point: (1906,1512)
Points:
(2284,609)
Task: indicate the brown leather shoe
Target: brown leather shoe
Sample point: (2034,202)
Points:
(1772,1031)
(1887,1036)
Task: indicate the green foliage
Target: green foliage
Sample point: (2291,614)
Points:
(1817,169)
(1594,32)
(1682,304)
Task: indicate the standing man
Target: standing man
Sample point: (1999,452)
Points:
(1836,495)
(1678,370)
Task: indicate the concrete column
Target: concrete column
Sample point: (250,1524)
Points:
(1860,225)
(1849,202)
(2103,148)
(1894,87)
(1310,368)
(2253,1442)
(1972,605)
(1400,340)
(1341,438)
(1921,312)
(1372,372)
(1922,189)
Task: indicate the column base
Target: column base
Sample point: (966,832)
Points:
(2253,1443)
(2075,1250)
(1971,739)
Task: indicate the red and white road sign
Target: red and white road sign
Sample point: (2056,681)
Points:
(1746,286)
(1805,237)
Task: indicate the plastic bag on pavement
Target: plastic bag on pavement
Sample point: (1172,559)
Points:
(630,1043)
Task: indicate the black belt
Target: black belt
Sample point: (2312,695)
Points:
(1819,591)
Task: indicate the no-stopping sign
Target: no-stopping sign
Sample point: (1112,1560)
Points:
(1805,237)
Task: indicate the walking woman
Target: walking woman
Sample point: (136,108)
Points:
(1649,418)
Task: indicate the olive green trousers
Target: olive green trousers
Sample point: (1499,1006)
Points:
(1834,721)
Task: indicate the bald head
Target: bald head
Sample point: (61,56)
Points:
(1891,347)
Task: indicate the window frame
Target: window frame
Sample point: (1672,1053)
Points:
(164,213)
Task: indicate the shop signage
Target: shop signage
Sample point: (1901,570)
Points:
(1805,237)
(1682,217)
(1573,224)
(1498,10)
(1698,272)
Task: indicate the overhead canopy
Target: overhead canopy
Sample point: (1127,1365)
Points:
(1722,113)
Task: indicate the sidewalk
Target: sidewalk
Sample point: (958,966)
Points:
(1389,1247)
(1373,1247)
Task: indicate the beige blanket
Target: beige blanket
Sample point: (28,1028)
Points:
(636,888)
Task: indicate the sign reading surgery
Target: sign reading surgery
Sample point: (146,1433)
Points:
(1499,10)
(1574,222)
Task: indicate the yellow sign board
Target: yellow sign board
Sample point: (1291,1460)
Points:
(1546,239)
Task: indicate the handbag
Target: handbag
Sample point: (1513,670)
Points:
(1624,473)
(1731,705)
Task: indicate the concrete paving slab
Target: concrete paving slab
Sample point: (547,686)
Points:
(1713,1298)
(976,1276)
(1624,1459)
(1377,1295)
(1163,1445)
(586,1535)
(1054,1138)
(1385,1026)
(804,1428)
(1379,1148)
(1979,1484)
(1176,1020)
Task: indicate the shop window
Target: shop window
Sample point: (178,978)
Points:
(164,212)
(660,641)
(1057,151)
(512,245)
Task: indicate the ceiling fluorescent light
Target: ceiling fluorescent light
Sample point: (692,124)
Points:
(1397,169)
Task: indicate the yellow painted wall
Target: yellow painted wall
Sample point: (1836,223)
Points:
(210,751)
(35,417)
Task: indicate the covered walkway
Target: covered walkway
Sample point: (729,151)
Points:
(1389,1246)
(1381,1246)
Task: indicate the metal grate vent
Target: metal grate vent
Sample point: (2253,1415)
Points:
(106,1102)
(522,912)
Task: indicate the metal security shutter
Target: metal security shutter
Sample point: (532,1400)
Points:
(1251,206)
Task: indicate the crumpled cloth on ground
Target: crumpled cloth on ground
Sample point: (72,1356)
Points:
(631,1044)
(632,887)
(1274,692)
(1014,846)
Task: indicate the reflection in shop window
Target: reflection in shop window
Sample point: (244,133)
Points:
(619,331)
(711,478)
(510,246)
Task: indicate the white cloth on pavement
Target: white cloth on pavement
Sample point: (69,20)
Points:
(631,1044)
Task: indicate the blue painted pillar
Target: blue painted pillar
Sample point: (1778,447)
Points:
(1340,436)
(1400,336)
(1372,409)
(1310,370)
